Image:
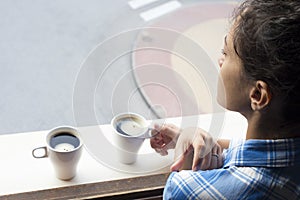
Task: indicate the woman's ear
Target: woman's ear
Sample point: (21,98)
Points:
(260,95)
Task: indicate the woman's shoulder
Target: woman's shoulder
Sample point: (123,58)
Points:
(235,182)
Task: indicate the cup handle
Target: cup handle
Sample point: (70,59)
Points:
(41,156)
(148,134)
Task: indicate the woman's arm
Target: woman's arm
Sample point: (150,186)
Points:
(224,143)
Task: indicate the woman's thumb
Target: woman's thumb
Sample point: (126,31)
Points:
(177,165)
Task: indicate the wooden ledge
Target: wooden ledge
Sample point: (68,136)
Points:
(138,187)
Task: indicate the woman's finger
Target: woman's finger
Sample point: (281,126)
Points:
(196,158)
(177,165)
(214,157)
(184,161)
(206,161)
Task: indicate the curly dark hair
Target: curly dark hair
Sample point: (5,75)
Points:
(267,40)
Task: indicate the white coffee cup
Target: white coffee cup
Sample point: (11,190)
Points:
(64,148)
(129,133)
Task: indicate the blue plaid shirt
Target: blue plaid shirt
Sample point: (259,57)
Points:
(253,169)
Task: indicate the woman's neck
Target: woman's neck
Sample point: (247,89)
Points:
(270,127)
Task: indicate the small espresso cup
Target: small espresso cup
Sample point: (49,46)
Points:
(64,148)
(129,131)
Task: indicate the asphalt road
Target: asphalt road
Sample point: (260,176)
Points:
(43,45)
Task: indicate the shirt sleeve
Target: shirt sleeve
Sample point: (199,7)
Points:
(235,142)
(168,188)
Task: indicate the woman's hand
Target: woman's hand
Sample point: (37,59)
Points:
(207,153)
(165,139)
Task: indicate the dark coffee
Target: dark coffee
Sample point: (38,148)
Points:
(130,126)
(64,138)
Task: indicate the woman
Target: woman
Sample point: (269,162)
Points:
(259,78)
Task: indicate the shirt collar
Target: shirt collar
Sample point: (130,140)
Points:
(264,153)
